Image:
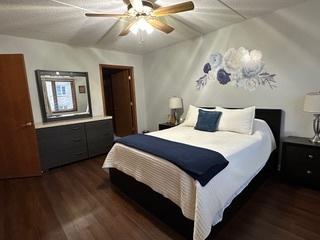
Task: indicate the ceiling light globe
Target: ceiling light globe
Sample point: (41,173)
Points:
(142,25)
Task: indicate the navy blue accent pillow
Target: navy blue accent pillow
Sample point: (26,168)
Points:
(207,120)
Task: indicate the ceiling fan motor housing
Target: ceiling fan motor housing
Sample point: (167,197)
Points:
(144,3)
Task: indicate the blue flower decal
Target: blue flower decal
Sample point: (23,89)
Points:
(201,82)
(223,77)
(216,60)
(207,68)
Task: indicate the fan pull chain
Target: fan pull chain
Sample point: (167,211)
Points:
(141,37)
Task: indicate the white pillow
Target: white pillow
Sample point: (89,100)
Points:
(236,120)
(192,116)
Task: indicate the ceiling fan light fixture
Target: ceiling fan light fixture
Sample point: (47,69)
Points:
(141,25)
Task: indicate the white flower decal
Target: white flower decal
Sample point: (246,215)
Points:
(251,84)
(232,60)
(216,60)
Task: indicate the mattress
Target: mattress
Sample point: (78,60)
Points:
(247,155)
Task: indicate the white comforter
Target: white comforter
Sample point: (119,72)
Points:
(247,154)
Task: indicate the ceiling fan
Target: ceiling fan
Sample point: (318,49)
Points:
(143,15)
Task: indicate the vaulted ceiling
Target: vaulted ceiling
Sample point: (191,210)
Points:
(66,23)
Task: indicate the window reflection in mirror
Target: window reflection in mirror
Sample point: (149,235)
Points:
(63,95)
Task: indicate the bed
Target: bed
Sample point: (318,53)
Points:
(178,199)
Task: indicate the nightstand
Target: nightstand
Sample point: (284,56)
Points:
(163,126)
(301,161)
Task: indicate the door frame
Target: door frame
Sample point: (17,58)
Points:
(132,90)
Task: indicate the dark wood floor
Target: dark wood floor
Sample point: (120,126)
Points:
(77,202)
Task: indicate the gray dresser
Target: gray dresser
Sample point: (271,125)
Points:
(60,144)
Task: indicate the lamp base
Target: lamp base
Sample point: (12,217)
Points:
(315,139)
(316,128)
(176,117)
(172,119)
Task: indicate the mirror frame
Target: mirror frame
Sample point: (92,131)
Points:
(39,73)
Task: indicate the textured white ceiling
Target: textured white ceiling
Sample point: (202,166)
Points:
(255,8)
(48,20)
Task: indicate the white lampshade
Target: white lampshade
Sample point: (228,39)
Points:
(175,103)
(312,102)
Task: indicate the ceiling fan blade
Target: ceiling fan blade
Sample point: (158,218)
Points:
(160,25)
(126,30)
(106,15)
(181,7)
(137,5)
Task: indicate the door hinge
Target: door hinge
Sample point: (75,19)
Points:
(129,77)
(131,103)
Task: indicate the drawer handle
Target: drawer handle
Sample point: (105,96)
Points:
(77,140)
(310,156)
(75,128)
(309,172)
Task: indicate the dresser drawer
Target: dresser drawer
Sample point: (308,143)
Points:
(63,136)
(99,137)
(62,145)
(99,128)
(302,164)
(65,144)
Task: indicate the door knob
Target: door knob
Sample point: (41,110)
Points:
(27,124)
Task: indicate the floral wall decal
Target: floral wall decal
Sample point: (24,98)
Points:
(239,68)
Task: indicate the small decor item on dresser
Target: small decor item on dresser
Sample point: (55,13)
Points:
(175,104)
(312,105)
(82,89)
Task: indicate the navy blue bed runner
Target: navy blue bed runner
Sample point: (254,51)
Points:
(200,163)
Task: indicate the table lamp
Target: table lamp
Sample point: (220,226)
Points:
(175,103)
(312,105)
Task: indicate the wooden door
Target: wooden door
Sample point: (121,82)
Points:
(123,103)
(18,144)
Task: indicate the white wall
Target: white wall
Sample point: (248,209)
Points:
(55,56)
(289,40)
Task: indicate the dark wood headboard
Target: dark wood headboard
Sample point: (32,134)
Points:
(273,118)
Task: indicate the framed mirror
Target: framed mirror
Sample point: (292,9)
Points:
(63,95)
